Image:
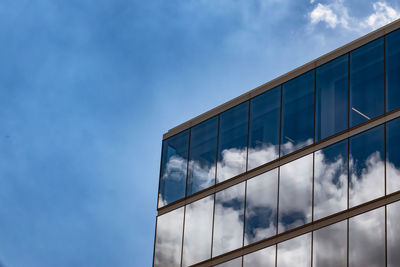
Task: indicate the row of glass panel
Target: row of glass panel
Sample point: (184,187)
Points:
(345,174)
(359,240)
(343,93)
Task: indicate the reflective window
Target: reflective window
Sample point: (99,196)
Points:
(367,239)
(393,234)
(297,113)
(366,82)
(330,246)
(228,220)
(330,180)
(393,156)
(173,168)
(232,146)
(332,98)
(367,168)
(198,231)
(264,128)
(169,239)
(295,252)
(295,193)
(393,70)
(202,157)
(261,258)
(261,204)
(232,263)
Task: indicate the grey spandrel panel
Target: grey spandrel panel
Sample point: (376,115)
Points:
(393,156)
(173,168)
(367,82)
(332,99)
(202,156)
(393,234)
(232,263)
(232,145)
(228,219)
(393,71)
(264,128)
(367,239)
(367,167)
(261,258)
(198,231)
(295,193)
(297,113)
(261,205)
(330,180)
(295,252)
(330,246)
(169,239)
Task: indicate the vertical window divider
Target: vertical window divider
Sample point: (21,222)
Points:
(348,127)
(155,240)
(384,76)
(386,245)
(183,232)
(277,202)
(216,157)
(348,242)
(212,231)
(312,248)
(244,211)
(248,135)
(276,254)
(187,163)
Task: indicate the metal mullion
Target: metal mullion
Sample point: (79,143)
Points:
(155,240)
(212,233)
(348,241)
(187,163)
(386,244)
(248,135)
(183,233)
(216,157)
(312,248)
(244,212)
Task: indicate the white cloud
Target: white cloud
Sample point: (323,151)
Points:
(324,13)
(383,15)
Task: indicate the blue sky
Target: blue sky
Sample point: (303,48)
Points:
(87,88)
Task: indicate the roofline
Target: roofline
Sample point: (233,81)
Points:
(286,77)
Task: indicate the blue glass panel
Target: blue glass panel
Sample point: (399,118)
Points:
(232,146)
(332,98)
(393,71)
(297,113)
(393,234)
(393,156)
(202,157)
(330,180)
(173,168)
(264,128)
(367,167)
(295,252)
(366,82)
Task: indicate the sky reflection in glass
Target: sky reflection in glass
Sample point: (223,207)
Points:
(232,263)
(261,258)
(393,71)
(295,252)
(393,234)
(393,156)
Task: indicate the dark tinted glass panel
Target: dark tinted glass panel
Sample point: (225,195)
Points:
(366,82)
(295,252)
(330,180)
(264,128)
(393,156)
(367,168)
(203,152)
(228,220)
(261,204)
(232,148)
(393,70)
(295,193)
(393,234)
(232,263)
(367,239)
(198,231)
(169,239)
(330,246)
(297,113)
(261,258)
(332,98)
(173,168)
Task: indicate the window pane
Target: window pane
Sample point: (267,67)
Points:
(393,156)
(295,195)
(295,252)
(332,98)
(232,148)
(228,221)
(393,234)
(262,258)
(198,231)
(232,263)
(366,82)
(367,239)
(330,180)
(264,128)
(261,204)
(330,246)
(173,168)
(393,70)
(203,152)
(297,113)
(367,169)
(169,239)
